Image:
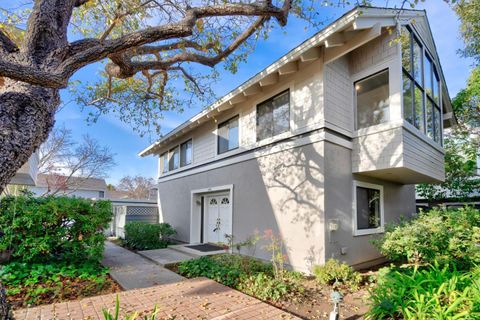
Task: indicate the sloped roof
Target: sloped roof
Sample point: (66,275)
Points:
(359,19)
(55,180)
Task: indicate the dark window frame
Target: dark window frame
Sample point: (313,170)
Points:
(167,167)
(387,69)
(381,214)
(226,122)
(273,123)
(191,156)
(171,153)
(425,54)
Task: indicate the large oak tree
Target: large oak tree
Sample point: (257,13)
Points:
(146,45)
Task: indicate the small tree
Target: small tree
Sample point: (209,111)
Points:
(137,187)
(68,164)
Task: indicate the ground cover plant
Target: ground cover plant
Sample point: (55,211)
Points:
(426,293)
(30,284)
(52,247)
(145,236)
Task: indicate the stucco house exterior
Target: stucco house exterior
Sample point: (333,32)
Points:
(323,146)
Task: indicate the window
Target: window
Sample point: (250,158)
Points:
(273,116)
(421,102)
(174,160)
(368,203)
(101,194)
(228,135)
(372,98)
(186,153)
(164,162)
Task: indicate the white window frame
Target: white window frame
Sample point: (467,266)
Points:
(381,228)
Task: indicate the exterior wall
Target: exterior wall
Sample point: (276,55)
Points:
(27,174)
(422,156)
(399,200)
(306,113)
(391,152)
(39,191)
(339,94)
(281,191)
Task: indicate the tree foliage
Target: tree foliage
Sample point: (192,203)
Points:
(136,187)
(469,14)
(462,143)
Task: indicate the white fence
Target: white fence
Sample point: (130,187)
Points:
(129,210)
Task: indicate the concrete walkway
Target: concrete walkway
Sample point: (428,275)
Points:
(166,256)
(133,271)
(192,299)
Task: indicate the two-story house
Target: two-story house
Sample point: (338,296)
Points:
(323,146)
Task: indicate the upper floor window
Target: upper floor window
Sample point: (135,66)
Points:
(101,194)
(373,100)
(186,153)
(164,162)
(273,116)
(228,135)
(174,160)
(421,101)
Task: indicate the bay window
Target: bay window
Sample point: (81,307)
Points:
(372,100)
(421,97)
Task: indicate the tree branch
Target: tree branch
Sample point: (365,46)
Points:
(88,54)
(123,67)
(6,44)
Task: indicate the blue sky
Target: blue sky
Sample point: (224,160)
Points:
(126,143)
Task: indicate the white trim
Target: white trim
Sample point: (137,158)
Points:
(363,232)
(194,207)
(309,139)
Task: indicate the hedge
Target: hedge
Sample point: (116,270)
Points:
(42,229)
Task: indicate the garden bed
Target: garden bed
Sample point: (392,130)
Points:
(31,285)
(297,294)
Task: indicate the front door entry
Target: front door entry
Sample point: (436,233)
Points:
(218,220)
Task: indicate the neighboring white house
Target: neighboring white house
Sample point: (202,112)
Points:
(92,188)
(27,174)
(323,146)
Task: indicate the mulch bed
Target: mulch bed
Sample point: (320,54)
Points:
(66,289)
(315,303)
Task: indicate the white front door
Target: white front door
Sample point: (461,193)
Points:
(218,220)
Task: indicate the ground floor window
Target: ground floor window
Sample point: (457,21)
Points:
(368,208)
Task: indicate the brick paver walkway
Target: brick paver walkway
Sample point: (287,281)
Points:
(198,298)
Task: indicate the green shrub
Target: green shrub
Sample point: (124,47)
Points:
(432,292)
(145,236)
(246,274)
(438,235)
(42,229)
(333,272)
(208,267)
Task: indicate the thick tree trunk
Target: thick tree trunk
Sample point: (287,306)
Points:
(26,118)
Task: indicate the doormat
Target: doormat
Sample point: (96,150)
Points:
(205,247)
